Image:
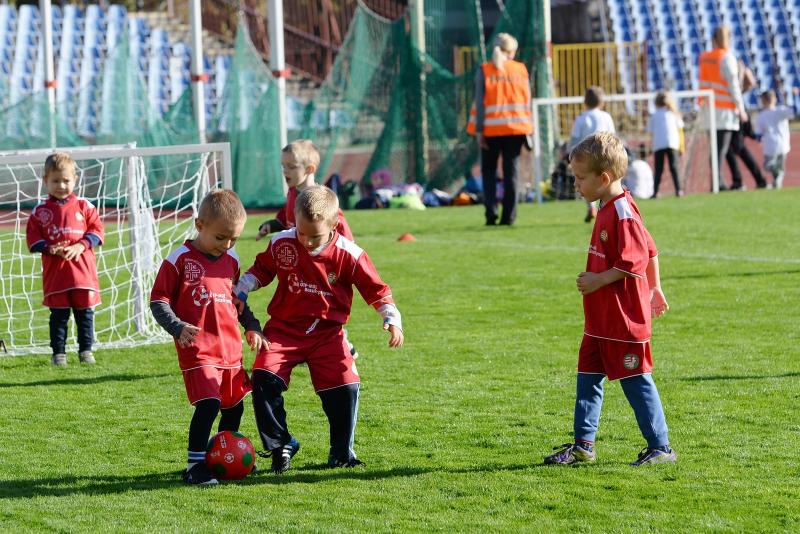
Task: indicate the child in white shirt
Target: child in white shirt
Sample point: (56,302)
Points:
(593,120)
(664,126)
(772,125)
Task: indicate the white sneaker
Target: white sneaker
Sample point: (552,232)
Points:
(87,357)
(60,360)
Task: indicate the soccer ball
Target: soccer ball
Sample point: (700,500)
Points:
(230,455)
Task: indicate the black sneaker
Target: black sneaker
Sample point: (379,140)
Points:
(352,462)
(282,456)
(199,475)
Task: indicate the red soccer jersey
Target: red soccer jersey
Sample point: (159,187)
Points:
(312,288)
(620,311)
(286,215)
(66,222)
(198,290)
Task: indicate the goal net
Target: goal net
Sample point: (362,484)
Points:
(147,199)
(698,171)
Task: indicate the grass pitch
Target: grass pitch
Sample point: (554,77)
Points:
(453,427)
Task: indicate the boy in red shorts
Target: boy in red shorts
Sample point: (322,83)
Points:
(621,290)
(191,300)
(299,162)
(316,268)
(66,229)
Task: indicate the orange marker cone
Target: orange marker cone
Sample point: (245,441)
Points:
(407,237)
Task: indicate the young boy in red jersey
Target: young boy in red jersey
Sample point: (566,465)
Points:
(191,299)
(621,290)
(316,268)
(299,162)
(66,229)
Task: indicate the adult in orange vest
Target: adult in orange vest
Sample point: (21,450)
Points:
(719,71)
(501,118)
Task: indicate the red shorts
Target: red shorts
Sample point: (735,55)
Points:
(325,350)
(615,359)
(230,386)
(78,299)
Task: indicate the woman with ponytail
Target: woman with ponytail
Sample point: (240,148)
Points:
(501,119)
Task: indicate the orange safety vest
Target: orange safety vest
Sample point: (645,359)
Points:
(711,78)
(506,101)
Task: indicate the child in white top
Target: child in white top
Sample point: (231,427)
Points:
(772,125)
(591,121)
(664,127)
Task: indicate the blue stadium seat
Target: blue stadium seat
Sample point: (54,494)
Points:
(221,67)
(117,12)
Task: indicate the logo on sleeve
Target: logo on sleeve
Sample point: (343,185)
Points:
(44,215)
(603,235)
(631,361)
(193,272)
(286,255)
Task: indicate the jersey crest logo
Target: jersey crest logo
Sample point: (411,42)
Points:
(631,361)
(193,272)
(200,296)
(44,215)
(603,235)
(294,283)
(286,255)
(332,278)
(54,233)
(79,216)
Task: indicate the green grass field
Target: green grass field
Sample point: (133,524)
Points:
(453,427)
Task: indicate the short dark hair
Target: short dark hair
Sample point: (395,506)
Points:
(221,204)
(594,97)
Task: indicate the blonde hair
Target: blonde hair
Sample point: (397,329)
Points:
(318,203)
(664,100)
(304,151)
(603,152)
(221,204)
(722,36)
(594,97)
(504,44)
(59,161)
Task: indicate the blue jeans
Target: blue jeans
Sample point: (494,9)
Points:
(643,397)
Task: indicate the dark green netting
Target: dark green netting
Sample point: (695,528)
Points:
(247,118)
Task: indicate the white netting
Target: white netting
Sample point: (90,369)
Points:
(147,199)
(630,113)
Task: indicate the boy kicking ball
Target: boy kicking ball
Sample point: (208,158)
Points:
(316,268)
(621,290)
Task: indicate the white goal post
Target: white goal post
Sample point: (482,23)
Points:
(147,199)
(690,98)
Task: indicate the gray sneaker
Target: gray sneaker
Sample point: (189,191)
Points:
(650,456)
(87,357)
(60,360)
(570,453)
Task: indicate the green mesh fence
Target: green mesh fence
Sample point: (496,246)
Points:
(383,107)
(247,118)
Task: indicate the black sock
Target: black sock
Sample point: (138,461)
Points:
(231,418)
(205,411)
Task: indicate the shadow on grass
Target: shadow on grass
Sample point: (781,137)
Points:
(737,377)
(87,485)
(106,485)
(82,380)
(731,275)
